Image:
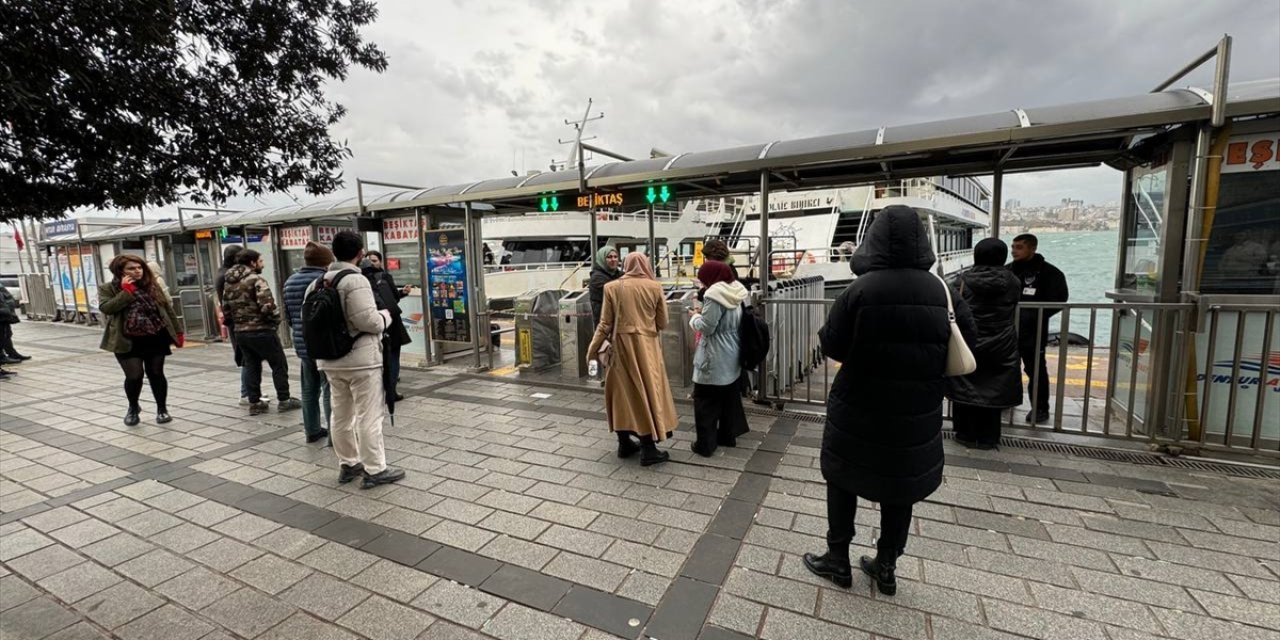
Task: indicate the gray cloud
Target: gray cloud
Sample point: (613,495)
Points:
(473,85)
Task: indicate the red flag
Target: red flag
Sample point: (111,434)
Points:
(17,238)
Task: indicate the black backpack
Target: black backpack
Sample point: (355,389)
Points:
(753,339)
(324,323)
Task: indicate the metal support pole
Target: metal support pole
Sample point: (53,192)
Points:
(653,246)
(595,234)
(765,244)
(1196,210)
(469,261)
(428,329)
(1220,77)
(997,195)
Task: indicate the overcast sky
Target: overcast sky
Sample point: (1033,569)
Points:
(476,89)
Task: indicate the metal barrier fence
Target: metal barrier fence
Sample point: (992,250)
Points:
(37,296)
(1174,374)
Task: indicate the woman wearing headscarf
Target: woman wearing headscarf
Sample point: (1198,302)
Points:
(883,437)
(717,397)
(603,271)
(992,292)
(140,327)
(637,398)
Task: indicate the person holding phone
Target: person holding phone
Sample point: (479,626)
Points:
(140,327)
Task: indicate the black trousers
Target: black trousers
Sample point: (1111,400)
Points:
(6,340)
(256,346)
(976,424)
(842,507)
(718,416)
(1033,362)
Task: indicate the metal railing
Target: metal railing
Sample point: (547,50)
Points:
(1171,374)
(37,296)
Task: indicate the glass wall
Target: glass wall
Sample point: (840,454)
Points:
(1243,252)
(1145,217)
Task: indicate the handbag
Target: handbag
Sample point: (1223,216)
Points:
(605,354)
(960,360)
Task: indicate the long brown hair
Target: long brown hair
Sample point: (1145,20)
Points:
(147,281)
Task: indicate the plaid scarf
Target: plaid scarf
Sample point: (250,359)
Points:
(143,317)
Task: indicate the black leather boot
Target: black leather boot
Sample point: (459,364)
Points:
(881,569)
(626,446)
(832,567)
(649,453)
(131,418)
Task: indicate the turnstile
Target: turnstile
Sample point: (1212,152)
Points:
(537,333)
(576,331)
(678,342)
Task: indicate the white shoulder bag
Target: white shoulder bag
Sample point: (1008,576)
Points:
(960,360)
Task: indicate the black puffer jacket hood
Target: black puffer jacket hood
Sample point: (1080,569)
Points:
(896,239)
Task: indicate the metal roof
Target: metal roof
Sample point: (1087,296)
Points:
(1039,138)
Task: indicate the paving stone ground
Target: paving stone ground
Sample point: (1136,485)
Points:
(516,521)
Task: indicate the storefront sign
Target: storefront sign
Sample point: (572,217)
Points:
(325,234)
(447,284)
(1253,152)
(205,234)
(60,228)
(399,230)
(294,237)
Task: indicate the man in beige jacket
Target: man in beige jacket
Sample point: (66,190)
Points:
(359,403)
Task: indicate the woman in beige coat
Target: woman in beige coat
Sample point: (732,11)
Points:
(637,398)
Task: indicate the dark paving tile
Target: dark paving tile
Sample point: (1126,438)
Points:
(82,446)
(129,459)
(529,588)
(171,471)
(352,532)
(683,610)
(1040,471)
(401,547)
(198,482)
(711,559)
(977,463)
(460,566)
(765,462)
(785,426)
(303,516)
(228,493)
(751,487)
(733,519)
(603,611)
(266,504)
(775,442)
(89,492)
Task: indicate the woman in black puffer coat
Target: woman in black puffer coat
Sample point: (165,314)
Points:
(883,439)
(992,291)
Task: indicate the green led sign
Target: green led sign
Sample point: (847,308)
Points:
(656,193)
(549,203)
(222,233)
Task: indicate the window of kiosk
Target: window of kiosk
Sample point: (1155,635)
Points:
(403,263)
(185,271)
(1243,252)
(1144,221)
(293,260)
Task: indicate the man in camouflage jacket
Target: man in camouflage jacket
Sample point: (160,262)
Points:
(248,301)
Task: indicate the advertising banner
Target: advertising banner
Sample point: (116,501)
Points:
(325,234)
(447,284)
(1252,152)
(295,237)
(399,231)
(61,278)
(90,279)
(1255,376)
(74,260)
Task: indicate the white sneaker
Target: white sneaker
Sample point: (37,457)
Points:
(244,401)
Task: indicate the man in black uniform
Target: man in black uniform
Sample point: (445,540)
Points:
(1041,282)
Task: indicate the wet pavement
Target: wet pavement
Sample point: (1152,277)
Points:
(517,521)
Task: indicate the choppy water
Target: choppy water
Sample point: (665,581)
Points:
(1088,259)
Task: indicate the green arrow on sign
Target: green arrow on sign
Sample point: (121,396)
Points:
(665,194)
(544,205)
(651,195)
(555,203)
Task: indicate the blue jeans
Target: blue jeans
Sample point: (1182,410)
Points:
(244,382)
(314,387)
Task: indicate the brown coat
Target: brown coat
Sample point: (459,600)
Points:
(637,396)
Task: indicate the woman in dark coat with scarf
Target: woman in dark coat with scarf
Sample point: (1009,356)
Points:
(883,437)
(992,292)
(606,268)
(140,327)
